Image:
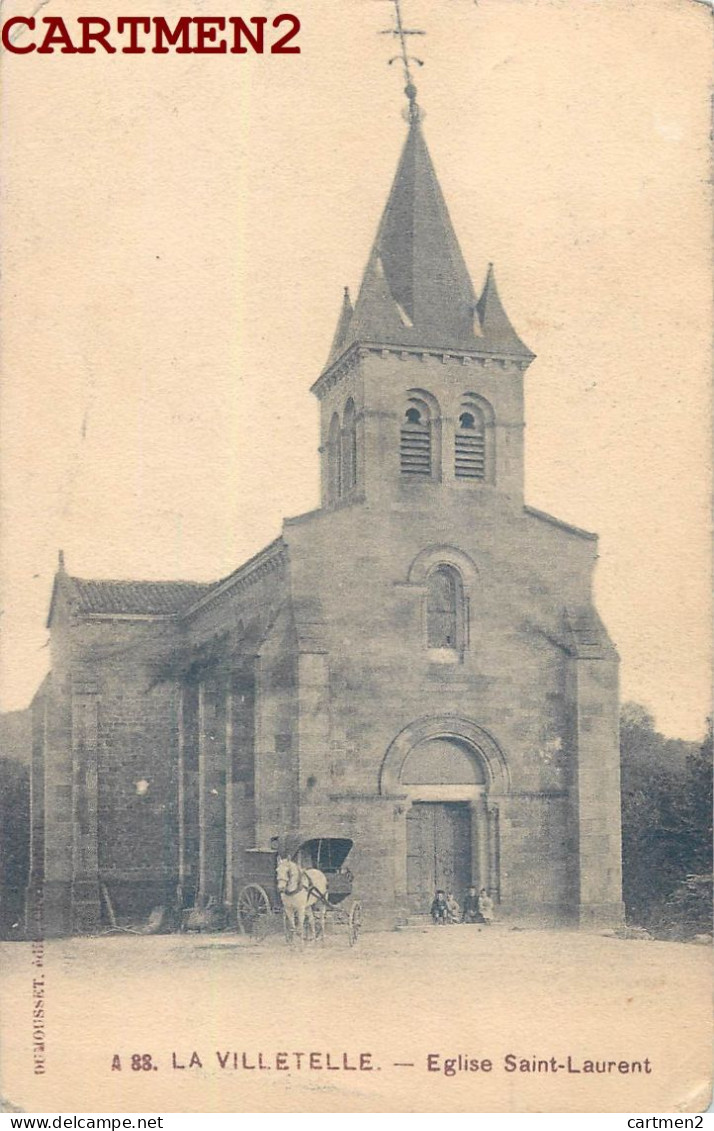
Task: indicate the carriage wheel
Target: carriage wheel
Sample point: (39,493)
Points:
(354,922)
(253,911)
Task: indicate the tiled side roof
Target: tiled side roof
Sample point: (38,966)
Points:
(143,598)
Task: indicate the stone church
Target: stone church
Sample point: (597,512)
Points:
(417,665)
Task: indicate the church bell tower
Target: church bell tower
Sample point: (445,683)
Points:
(423,388)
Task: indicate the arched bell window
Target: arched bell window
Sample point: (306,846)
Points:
(334,460)
(349,448)
(473,441)
(471,445)
(445,610)
(415,442)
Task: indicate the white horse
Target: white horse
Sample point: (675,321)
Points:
(302,892)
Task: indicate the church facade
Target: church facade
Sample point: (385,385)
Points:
(417,665)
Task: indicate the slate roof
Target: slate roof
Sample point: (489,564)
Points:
(138,597)
(498,333)
(416,289)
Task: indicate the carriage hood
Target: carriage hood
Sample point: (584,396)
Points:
(324,852)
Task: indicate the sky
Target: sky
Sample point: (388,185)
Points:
(177,231)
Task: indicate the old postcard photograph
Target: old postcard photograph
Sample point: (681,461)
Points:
(355,745)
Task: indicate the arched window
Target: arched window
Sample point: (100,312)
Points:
(349,448)
(444,609)
(471,454)
(415,457)
(334,460)
(474,440)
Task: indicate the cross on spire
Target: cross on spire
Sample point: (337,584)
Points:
(401,32)
(416,290)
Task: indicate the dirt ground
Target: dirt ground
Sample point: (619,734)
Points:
(393,1000)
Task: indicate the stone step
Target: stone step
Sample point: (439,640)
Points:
(414,923)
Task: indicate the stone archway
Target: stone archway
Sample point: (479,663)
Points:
(447,775)
(445,726)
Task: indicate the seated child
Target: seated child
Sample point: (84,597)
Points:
(453,911)
(485,906)
(439,910)
(470,907)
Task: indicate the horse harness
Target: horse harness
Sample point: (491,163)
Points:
(304,884)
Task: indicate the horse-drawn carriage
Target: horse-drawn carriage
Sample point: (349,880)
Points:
(296,872)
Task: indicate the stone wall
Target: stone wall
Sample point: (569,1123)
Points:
(137,789)
(164,747)
(513,678)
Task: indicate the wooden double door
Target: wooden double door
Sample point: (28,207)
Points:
(439,851)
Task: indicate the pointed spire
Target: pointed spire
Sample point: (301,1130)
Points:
(495,325)
(416,289)
(343,326)
(60,562)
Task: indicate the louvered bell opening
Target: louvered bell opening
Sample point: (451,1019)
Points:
(415,451)
(471,456)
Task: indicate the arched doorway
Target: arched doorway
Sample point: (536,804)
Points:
(445,783)
(448,775)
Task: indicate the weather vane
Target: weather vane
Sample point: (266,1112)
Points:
(401,32)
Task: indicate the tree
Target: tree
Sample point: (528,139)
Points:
(698,814)
(666,815)
(14,844)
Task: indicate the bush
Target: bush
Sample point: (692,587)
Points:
(688,910)
(666,827)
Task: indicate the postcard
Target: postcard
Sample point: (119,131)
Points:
(355,668)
